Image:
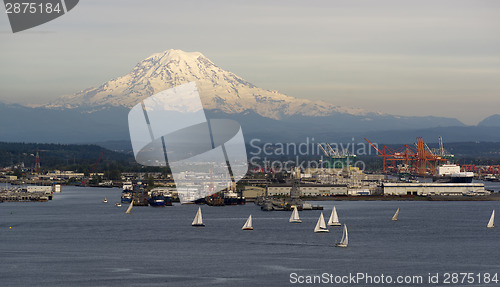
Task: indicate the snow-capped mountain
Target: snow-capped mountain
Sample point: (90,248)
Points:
(101,114)
(219,89)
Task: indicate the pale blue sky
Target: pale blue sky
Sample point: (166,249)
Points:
(437,58)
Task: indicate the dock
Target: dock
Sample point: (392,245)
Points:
(23,194)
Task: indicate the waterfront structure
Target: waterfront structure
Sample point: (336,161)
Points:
(308,189)
(432,188)
(28,193)
(40,188)
(358,182)
(252,192)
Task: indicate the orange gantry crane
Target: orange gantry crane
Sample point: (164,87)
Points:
(420,160)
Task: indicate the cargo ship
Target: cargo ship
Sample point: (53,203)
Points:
(459,177)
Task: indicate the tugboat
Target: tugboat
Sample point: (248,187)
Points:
(156,199)
(232,198)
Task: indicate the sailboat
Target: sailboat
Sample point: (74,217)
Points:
(105,200)
(345,238)
(320,225)
(334,218)
(491,223)
(198,219)
(395,217)
(294,218)
(129,207)
(248,224)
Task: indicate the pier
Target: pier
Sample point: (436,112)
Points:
(27,193)
(16,194)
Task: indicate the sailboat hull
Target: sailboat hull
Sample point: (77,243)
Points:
(247,228)
(340,245)
(296,221)
(322,231)
(334,224)
(198,225)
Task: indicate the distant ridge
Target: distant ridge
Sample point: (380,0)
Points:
(491,121)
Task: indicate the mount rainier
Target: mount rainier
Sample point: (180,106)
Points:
(219,89)
(100,113)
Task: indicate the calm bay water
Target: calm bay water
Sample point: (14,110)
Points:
(77,240)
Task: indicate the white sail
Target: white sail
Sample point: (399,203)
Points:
(345,238)
(129,207)
(320,225)
(395,217)
(491,223)
(248,224)
(294,218)
(198,219)
(334,218)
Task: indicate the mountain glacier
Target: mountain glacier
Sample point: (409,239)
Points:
(100,114)
(219,89)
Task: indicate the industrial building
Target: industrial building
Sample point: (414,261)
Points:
(426,189)
(251,192)
(308,189)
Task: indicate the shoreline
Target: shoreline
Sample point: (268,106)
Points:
(492,197)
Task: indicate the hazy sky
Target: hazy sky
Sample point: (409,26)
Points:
(433,57)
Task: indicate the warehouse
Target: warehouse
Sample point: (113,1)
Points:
(432,188)
(308,189)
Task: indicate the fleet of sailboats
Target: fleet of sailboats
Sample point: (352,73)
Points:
(294,218)
(320,225)
(334,218)
(248,224)
(395,216)
(491,223)
(198,219)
